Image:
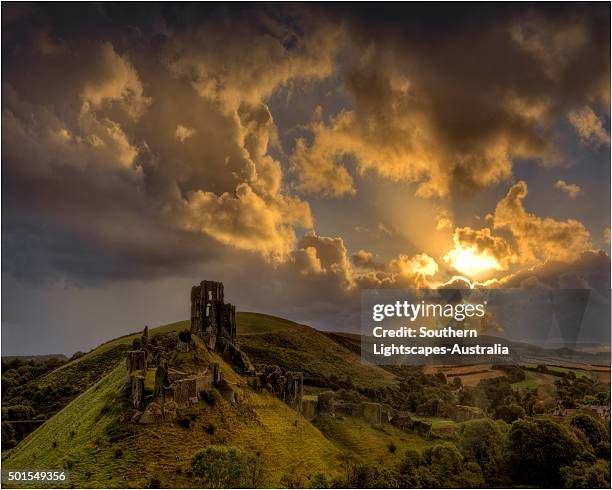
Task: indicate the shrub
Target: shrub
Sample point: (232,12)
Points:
(20,412)
(582,474)
(154,483)
(293,480)
(8,444)
(8,433)
(602,450)
(185,335)
(208,396)
(219,466)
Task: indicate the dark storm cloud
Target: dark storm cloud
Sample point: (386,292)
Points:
(136,138)
(449,100)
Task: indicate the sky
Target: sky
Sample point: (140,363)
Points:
(297,152)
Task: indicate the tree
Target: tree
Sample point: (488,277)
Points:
(509,413)
(219,466)
(594,430)
(582,474)
(447,468)
(482,441)
(538,448)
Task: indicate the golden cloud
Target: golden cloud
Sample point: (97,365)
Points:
(478,251)
(572,190)
(539,238)
(588,126)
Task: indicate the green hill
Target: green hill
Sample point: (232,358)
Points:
(89,437)
(270,340)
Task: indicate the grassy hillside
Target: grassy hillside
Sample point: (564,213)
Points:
(270,340)
(87,438)
(384,446)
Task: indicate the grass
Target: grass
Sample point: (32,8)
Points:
(531,381)
(73,438)
(368,443)
(295,347)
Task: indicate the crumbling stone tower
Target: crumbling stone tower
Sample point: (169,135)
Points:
(211,317)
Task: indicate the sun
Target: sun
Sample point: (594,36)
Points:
(471,262)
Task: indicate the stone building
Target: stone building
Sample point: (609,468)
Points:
(214,321)
(211,318)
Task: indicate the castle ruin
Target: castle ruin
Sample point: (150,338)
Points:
(213,322)
(211,318)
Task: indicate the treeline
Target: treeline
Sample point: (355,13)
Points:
(539,452)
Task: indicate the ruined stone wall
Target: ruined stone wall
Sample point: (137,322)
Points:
(136,360)
(286,385)
(137,390)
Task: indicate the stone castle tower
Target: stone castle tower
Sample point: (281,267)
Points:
(211,317)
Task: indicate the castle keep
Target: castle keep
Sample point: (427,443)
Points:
(211,317)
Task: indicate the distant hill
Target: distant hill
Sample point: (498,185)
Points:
(41,358)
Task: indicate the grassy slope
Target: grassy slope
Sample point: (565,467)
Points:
(296,347)
(369,443)
(74,431)
(84,371)
(87,438)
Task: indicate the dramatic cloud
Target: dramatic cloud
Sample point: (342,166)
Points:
(183,146)
(589,270)
(478,251)
(364,259)
(113,79)
(425,111)
(539,238)
(572,190)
